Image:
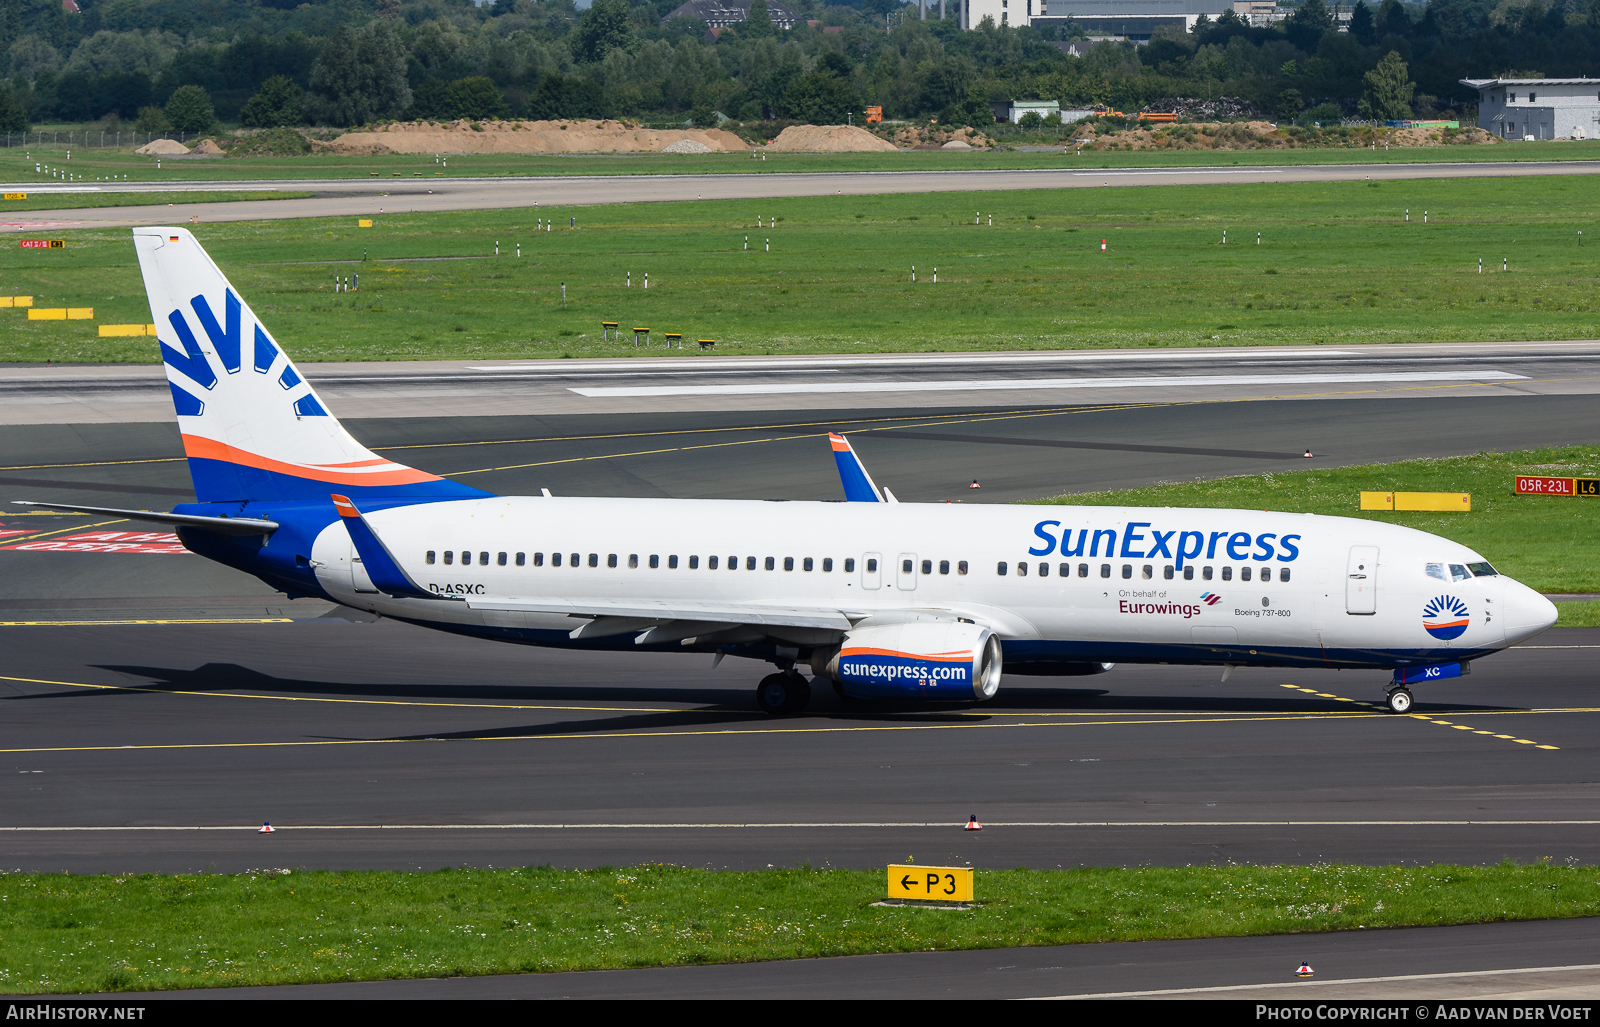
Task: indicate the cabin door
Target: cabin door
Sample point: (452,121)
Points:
(1361,581)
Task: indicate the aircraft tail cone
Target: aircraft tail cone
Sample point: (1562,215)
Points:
(1304,971)
(267,828)
(972,824)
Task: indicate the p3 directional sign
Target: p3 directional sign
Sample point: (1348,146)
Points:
(949,884)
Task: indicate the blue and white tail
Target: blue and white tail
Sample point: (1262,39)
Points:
(253,428)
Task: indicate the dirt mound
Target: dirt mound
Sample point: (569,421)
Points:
(276,142)
(525,137)
(686,146)
(162,147)
(1261,135)
(207,146)
(828,139)
(956,144)
(932,137)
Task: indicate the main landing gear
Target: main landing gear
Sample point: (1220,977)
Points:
(1399,700)
(783,694)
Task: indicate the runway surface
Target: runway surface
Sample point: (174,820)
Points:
(365,196)
(682,383)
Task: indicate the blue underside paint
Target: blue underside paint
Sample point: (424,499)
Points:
(218,481)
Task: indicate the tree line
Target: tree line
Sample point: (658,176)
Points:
(175,63)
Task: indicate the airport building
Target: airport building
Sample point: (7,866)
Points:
(720,14)
(1538,108)
(1118,19)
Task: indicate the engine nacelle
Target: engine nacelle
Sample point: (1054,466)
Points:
(943,660)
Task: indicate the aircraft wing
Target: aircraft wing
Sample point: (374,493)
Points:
(661,610)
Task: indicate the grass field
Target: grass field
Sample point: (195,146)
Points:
(16,163)
(1337,264)
(79,934)
(78,201)
(1543,541)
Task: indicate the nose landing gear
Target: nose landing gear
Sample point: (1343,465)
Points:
(1399,700)
(783,694)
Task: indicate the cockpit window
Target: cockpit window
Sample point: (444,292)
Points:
(1482,570)
(1436,570)
(1459,572)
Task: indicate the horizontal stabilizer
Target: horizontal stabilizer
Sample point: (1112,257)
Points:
(220,525)
(645,609)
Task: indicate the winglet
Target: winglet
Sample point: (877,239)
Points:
(858,485)
(381,567)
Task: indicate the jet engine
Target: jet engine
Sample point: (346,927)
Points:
(942,660)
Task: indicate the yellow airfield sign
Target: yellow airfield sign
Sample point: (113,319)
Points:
(947,884)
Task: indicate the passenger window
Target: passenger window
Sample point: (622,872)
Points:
(1145,572)
(594,559)
(1044,569)
(805,564)
(1083,570)
(927,566)
(466,558)
(750,563)
(1000,568)
(611,560)
(555,560)
(711,563)
(1482,570)
(1283,574)
(788,563)
(655,561)
(849,565)
(1227,574)
(672,562)
(449,557)
(483,559)
(1105,570)
(1244,574)
(771,563)
(1205,574)
(538,559)
(429,558)
(905,566)
(1188,573)
(827,565)
(1127,570)
(1266,574)
(1458,572)
(961,568)
(1064,571)
(944,566)
(1022,570)
(1436,570)
(501,559)
(872,567)
(1166,572)
(522,559)
(577,559)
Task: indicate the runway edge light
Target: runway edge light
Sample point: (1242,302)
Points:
(1304,971)
(267,828)
(972,824)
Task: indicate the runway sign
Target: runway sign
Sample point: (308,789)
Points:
(950,884)
(160,542)
(1450,502)
(1530,486)
(43,244)
(16,196)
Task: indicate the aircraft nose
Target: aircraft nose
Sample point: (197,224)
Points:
(1526,612)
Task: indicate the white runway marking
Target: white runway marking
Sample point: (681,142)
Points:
(1308,982)
(1032,384)
(943,825)
(919,360)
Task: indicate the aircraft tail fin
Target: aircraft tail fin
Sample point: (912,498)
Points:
(253,428)
(858,484)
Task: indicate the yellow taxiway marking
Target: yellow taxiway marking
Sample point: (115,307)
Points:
(96,463)
(57,531)
(116,623)
(1431,719)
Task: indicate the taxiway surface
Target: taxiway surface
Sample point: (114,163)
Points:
(365,197)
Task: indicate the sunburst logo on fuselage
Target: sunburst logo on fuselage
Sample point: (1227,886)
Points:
(1445,617)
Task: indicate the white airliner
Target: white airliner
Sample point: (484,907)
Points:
(885,600)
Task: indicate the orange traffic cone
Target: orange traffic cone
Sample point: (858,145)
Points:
(1304,971)
(267,828)
(972,824)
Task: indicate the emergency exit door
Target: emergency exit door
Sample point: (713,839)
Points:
(1361,581)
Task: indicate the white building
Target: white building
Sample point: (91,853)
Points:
(1538,108)
(1117,19)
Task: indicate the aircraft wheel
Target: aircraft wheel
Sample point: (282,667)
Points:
(781,695)
(1400,701)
